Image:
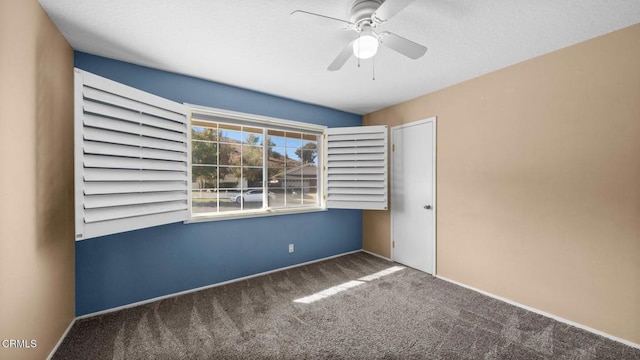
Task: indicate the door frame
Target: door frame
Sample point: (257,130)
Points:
(434,204)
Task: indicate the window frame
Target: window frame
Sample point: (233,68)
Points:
(203,114)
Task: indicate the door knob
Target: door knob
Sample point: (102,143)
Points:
(427,207)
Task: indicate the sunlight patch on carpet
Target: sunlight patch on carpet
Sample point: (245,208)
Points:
(382,273)
(346,286)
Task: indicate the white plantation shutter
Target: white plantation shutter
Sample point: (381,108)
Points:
(131,158)
(356,167)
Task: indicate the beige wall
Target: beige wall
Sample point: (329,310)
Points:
(36,180)
(538,182)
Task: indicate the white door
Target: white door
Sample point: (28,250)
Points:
(413,195)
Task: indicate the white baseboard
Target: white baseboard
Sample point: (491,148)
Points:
(376,255)
(64,335)
(102,312)
(543,313)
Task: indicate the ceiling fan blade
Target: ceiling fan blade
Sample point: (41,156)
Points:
(389,8)
(342,58)
(322,20)
(404,46)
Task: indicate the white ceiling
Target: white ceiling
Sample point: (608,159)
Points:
(256,45)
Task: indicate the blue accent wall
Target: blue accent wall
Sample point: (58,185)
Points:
(124,268)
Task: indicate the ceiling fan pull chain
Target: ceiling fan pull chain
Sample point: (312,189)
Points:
(359,36)
(374,67)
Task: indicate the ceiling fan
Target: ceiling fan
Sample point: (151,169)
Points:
(366,17)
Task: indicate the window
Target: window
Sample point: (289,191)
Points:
(139,162)
(242,164)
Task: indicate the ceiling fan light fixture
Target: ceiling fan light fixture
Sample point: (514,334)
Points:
(365,46)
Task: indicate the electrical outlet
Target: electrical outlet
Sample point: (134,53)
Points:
(290,248)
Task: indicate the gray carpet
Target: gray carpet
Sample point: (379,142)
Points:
(403,315)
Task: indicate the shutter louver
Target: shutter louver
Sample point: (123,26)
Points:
(356,168)
(131,156)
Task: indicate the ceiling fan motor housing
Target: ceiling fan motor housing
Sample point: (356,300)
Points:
(361,12)
(365,18)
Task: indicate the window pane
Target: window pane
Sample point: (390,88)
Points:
(276,174)
(204,177)
(310,144)
(294,177)
(293,158)
(204,201)
(231,134)
(310,149)
(204,133)
(204,152)
(276,138)
(294,140)
(230,154)
(294,196)
(310,196)
(277,155)
(276,163)
(252,177)
(251,199)
(252,136)
(276,197)
(229,199)
(230,177)
(310,176)
(309,157)
(252,155)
